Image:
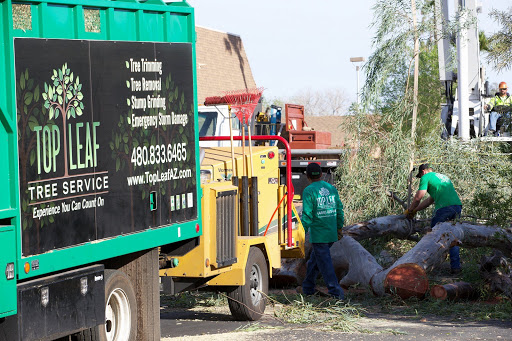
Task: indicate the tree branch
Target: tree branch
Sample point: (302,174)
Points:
(396,198)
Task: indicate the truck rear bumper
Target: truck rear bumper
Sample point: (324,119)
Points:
(57,305)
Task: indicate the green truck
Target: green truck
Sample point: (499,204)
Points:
(105,201)
(97,129)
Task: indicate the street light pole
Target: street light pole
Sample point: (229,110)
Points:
(357,71)
(357,60)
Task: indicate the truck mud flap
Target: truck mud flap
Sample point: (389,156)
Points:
(62,304)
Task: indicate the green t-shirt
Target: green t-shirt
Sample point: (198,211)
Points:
(322,212)
(440,188)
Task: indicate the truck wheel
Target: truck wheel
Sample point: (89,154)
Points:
(247,302)
(120,308)
(120,311)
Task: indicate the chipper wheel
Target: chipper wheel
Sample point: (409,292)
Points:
(247,302)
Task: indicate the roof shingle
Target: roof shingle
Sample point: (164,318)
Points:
(222,64)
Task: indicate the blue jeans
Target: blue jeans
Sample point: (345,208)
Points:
(320,262)
(445,214)
(493,119)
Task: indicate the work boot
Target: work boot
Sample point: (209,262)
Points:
(299,290)
(322,294)
(455,271)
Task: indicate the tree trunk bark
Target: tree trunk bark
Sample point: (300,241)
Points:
(453,291)
(392,225)
(361,265)
(408,275)
(431,250)
(497,279)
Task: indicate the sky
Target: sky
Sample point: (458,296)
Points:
(297,45)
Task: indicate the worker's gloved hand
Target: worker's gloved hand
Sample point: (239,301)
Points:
(340,234)
(409,214)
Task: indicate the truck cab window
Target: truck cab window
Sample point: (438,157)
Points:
(207,122)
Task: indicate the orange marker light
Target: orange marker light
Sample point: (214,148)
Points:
(27,267)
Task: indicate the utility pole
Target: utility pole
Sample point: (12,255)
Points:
(463,82)
(357,60)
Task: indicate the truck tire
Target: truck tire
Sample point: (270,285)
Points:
(120,311)
(120,308)
(247,302)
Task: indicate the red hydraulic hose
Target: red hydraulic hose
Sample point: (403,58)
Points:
(289,185)
(273,214)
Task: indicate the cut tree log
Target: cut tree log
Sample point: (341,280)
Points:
(344,252)
(453,291)
(351,255)
(433,247)
(393,225)
(408,275)
(497,278)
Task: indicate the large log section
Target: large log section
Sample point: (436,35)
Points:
(408,275)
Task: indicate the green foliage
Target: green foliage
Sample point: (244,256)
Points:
(430,93)
(500,43)
(389,81)
(483,41)
(393,44)
(479,170)
(92,20)
(494,201)
(396,96)
(378,165)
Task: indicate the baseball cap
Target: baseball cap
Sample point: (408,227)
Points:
(422,167)
(314,171)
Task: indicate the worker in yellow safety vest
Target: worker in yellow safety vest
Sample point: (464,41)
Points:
(502,98)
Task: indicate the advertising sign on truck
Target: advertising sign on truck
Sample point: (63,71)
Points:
(105,137)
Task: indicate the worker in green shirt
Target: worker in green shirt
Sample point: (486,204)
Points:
(322,216)
(447,203)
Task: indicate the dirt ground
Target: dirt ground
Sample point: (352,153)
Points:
(215,324)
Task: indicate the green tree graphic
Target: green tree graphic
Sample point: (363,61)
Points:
(29,115)
(63,97)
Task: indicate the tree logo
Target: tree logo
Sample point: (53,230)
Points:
(63,97)
(324,192)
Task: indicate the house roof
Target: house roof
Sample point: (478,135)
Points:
(333,124)
(222,64)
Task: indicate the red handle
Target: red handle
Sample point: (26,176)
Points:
(289,185)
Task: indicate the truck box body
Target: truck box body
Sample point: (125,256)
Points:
(98,130)
(309,139)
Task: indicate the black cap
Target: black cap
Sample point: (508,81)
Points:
(314,171)
(422,168)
